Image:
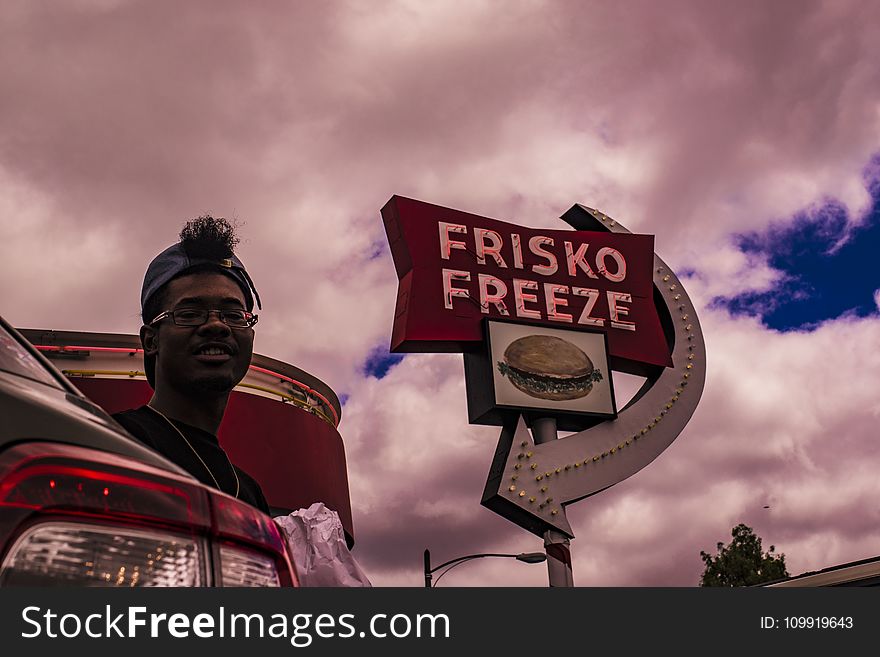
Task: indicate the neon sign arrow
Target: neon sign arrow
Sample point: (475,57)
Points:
(531,484)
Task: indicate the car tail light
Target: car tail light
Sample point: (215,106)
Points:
(238,522)
(58,553)
(91,518)
(75,480)
(246,568)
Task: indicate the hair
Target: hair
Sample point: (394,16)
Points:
(209,237)
(205,237)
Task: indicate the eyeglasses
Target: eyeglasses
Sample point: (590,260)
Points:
(198,316)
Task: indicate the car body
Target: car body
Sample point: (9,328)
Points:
(83,503)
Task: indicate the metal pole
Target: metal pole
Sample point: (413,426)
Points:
(427,568)
(556,544)
(558,558)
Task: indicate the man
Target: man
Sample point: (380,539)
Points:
(198,339)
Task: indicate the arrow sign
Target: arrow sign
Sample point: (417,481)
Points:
(531,484)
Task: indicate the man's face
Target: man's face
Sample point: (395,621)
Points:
(211,358)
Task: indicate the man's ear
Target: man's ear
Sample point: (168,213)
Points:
(149,340)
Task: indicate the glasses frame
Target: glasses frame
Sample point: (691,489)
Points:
(250,318)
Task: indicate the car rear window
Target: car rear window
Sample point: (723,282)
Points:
(18,360)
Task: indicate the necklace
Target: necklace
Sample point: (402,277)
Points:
(180,433)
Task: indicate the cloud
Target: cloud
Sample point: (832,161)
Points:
(783,422)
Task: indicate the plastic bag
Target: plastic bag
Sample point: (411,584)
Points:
(317,547)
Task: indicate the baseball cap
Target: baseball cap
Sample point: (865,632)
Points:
(175,261)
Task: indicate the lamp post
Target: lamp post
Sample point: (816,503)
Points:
(525,557)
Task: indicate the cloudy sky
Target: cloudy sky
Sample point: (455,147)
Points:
(745,136)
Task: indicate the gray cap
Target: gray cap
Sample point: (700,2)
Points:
(174,261)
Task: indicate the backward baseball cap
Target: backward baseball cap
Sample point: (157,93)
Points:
(175,261)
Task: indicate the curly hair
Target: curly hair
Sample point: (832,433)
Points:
(209,237)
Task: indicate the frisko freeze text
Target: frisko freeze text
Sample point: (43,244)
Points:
(526,296)
(456,270)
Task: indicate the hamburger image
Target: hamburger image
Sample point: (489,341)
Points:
(546,367)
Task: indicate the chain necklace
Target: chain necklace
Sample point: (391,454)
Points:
(180,433)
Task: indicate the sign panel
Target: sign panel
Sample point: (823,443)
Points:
(456,269)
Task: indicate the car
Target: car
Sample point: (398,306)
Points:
(83,503)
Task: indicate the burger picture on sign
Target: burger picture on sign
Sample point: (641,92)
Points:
(553,369)
(547,367)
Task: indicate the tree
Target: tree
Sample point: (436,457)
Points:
(741,563)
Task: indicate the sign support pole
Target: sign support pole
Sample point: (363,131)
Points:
(556,543)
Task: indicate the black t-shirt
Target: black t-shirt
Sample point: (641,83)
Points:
(153,430)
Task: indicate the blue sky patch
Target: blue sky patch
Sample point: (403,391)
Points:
(824,277)
(379,249)
(380,361)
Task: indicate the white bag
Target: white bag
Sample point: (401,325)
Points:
(317,547)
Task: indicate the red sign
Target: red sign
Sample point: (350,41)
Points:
(456,269)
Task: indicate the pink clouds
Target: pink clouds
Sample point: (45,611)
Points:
(693,121)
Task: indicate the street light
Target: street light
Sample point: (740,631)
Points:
(526,557)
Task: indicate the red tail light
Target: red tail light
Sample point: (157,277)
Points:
(239,522)
(81,499)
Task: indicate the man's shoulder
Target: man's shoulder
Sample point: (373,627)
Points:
(139,423)
(245,478)
(131,416)
(251,490)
